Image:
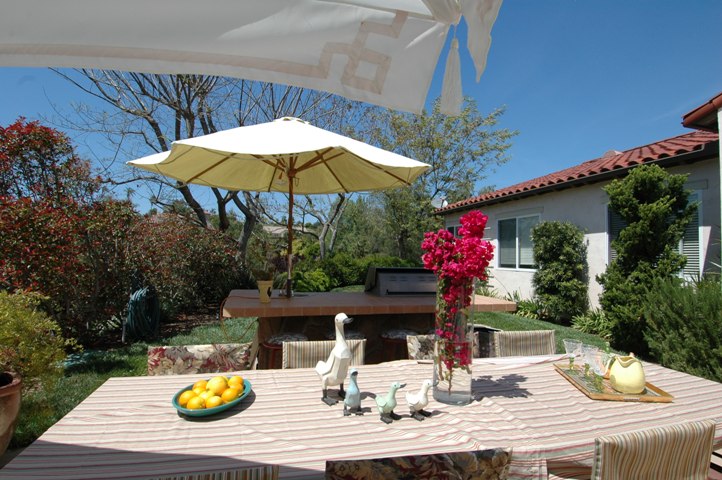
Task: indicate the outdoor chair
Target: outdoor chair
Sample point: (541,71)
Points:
(529,342)
(421,347)
(676,451)
(489,464)
(307,354)
(265,472)
(211,358)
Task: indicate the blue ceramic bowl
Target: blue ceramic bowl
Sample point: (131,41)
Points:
(204,412)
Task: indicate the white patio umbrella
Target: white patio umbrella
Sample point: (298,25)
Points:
(378,51)
(287,155)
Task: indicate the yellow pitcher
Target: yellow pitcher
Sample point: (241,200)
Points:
(626,374)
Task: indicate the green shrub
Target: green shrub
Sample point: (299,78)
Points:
(560,281)
(653,205)
(527,308)
(31,343)
(311,281)
(189,266)
(684,326)
(593,322)
(344,270)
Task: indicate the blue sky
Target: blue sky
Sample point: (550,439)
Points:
(577,77)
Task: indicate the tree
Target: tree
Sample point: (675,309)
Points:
(654,205)
(39,163)
(560,281)
(150,111)
(461,150)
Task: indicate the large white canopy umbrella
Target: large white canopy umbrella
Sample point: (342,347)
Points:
(378,51)
(287,155)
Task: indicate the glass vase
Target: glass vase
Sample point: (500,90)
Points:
(453,348)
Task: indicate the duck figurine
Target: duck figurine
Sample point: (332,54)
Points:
(387,404)
(352,400)
(418,401)
(333,371)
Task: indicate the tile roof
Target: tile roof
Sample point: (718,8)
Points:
(610,161)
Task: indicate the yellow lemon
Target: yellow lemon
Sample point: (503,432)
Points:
(214,401)
(199,390)
(196,403)
(206,395)
(200,384)
(217,385)
(230,394)
(235,381)
(185,396)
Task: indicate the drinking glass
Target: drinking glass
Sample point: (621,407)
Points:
(573,347)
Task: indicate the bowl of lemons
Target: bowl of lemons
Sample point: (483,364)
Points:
(208,397)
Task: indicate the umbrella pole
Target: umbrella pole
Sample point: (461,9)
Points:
(290,237)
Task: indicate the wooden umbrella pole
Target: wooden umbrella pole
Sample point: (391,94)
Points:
(290,233)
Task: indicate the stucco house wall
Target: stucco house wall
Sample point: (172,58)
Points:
(586,207)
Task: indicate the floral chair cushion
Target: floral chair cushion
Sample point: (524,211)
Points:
(421,347)
(211,358)
(491,464)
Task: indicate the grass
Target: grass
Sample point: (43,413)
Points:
(86,372)
(507,321)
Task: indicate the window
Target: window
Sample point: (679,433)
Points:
(515,246)
(454,229)
(689,245)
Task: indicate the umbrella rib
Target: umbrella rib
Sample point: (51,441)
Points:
(203,172)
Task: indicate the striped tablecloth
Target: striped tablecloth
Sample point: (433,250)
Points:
(129,429)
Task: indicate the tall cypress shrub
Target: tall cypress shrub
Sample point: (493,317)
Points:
(560,281)
(653,204)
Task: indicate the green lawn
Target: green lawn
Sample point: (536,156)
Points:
(507,321)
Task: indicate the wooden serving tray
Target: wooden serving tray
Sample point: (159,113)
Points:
(591,389)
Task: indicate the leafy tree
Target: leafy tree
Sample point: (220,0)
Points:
(461,150)
(560,281)
(684,326)
(654,206)
(150,111)
(38,163)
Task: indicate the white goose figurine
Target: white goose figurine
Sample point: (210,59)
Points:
(418,401)
(333,371)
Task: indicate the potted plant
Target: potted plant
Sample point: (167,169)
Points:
(10,392)
(263,265)
(32,350)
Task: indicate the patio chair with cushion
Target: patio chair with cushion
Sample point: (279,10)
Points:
(211,358)
(528,342)
(675,451)
(420,347)
(307,354)
(489,464)
(265,472)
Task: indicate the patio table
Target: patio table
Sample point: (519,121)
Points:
(128,428)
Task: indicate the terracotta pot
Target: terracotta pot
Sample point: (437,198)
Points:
(10,384)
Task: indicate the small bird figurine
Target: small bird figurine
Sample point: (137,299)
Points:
(352,400)
(387,404)
(333,371)
(418,401)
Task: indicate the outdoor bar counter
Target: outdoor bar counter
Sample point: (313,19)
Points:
(312,314)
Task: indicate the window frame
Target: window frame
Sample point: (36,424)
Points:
(517,242)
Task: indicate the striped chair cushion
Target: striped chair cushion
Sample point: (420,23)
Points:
(491,464)
(266,472)
(675,451)
(211,358)
(529,342)
(308,354)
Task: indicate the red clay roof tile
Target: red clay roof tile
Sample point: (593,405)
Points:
(686,143)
